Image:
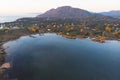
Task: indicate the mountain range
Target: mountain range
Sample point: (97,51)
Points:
(66,15)
(70,12)
(114,13)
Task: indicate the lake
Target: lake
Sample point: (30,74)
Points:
(53,57)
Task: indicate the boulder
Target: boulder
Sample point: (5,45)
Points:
(5,65)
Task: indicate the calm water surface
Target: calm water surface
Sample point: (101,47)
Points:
(52,57)
(10,18)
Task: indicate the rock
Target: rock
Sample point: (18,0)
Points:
(6,47)
(5,65)
(1,49)
(2,71)
(1,52)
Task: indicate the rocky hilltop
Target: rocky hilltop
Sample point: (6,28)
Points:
(65,12)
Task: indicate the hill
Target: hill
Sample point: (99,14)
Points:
(67,15)
(114,13)
(65,12)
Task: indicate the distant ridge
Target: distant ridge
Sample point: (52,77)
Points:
(68,12)
(113,13)
(65,12)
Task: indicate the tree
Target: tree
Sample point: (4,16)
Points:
(108,28)
(33,28)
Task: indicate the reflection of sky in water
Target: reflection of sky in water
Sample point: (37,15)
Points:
(51,57)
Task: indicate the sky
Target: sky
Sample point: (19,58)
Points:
(40,6)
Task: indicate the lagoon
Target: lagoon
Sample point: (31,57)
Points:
(53,57)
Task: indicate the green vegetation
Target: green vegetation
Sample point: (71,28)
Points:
(70,28)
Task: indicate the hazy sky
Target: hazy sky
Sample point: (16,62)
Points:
(37,6)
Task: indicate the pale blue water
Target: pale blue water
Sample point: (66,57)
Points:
(52,57)
(10,18)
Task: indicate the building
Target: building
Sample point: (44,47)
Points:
(1,26)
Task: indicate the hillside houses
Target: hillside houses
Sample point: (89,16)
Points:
(3,26)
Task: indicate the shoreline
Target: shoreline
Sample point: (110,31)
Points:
(2,61)
(15,34)
(4,37)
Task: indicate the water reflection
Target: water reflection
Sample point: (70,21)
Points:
(52,57)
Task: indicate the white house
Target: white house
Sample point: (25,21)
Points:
(15,27)
(1,26)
